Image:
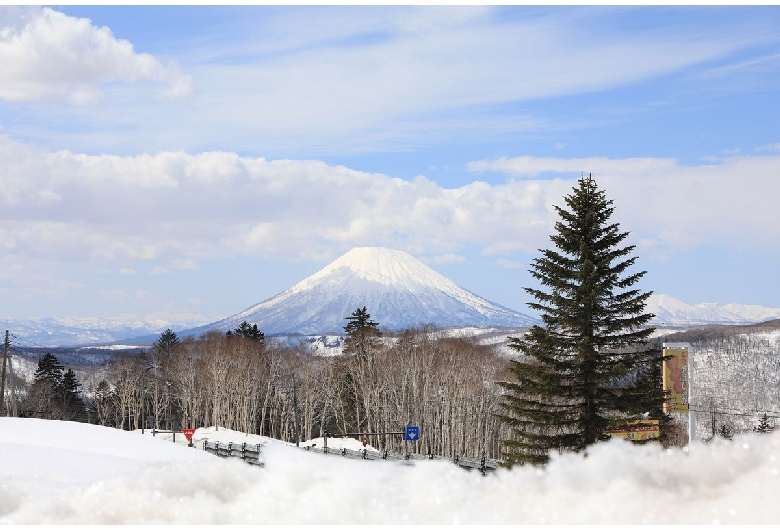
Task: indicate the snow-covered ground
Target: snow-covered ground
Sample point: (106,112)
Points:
(68,473)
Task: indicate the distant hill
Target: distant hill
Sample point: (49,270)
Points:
(719,331)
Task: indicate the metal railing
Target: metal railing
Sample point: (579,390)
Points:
(251,454)
(483,464)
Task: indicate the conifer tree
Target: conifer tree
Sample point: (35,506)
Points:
(248,331)
(73,407)
(70,384)
(49,369)
(358,368)
(585,369)
(764,425)
(361,332)
(162,349)
(44,397)
(724,431)
(54,394)
(167,341)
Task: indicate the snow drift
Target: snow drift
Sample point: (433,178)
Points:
(64,473)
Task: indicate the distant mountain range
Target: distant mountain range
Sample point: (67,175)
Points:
(50,332)
(398,290)
(669,311)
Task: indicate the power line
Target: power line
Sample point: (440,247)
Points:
(727,413)
(31,343)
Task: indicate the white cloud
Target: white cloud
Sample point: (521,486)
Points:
(185,265)
(445,259)
(173,210)
(433,60)
(141,294)
(357,80)
(531,166)
(511,264)
(112,294)
(742,68)
(48,55)
(671,207)
(128,271)
(769,147)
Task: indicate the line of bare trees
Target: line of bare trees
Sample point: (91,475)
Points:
(381,383)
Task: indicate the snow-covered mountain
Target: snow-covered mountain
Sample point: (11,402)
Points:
(50,332)
(669,311)
(398,290)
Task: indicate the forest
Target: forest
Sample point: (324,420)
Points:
(383,382)
(240,381)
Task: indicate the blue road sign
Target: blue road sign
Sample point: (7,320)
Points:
(412,432)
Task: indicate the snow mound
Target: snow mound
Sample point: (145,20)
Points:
(65,473)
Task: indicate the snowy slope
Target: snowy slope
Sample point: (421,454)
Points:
(669,311)
(55,472)
(398,290)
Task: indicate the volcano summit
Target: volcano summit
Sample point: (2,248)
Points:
(398,290)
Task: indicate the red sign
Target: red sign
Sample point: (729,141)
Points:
(188,433)
(365,437)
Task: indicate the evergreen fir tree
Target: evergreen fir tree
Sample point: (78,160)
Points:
(161,351)
(54,394)
(725,432)
(358,368)
(164,345)
(49,369)
(763,424)
(44,399)
(359,320)
(248,331)
(69,383)
(578,374)
(361,332)
(73,407)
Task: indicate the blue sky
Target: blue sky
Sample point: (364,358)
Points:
(192,161)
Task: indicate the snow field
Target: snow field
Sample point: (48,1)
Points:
(67,473)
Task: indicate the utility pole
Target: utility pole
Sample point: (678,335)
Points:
(6,344)
(12,382)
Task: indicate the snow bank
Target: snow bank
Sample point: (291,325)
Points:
(338,444)
(59,472)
